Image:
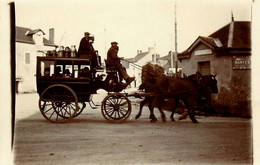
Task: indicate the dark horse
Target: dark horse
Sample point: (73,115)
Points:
(189,90)
(207,84)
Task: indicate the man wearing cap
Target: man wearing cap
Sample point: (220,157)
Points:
(86,47)
(114,60)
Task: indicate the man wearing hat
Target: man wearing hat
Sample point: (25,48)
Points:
(114,60)
(86,48)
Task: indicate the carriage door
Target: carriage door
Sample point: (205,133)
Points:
(204,67)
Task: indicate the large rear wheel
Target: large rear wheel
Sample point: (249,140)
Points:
(58,103)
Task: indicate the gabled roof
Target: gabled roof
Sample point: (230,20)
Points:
(241,35)
(21,35)
(167,65)
(48,42)
(25,35)
(31,32)
(139,56)
(209,41)
(218,40)
(126,61)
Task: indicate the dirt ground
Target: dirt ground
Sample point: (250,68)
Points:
(89,139)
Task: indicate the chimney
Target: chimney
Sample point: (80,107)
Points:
(51,35)
(231,31)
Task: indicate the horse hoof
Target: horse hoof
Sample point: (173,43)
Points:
(137,116)
(181,118)
(153,121)
(172,120)
(164,120)
(195,121)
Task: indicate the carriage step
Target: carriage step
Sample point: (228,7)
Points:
(93,105)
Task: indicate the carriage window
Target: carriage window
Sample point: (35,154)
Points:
(47,68)
(68,71)
(84,71)
(76,71)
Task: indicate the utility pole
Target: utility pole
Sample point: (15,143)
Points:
(171,54)
(176,61)
(105,41)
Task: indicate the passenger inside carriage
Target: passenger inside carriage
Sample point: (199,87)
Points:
(67,73)
(85,72)
(58,72)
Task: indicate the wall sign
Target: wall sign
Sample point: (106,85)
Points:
(203,52)
(241,62)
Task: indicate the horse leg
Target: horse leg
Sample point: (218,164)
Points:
(142,103)
(174,108)
(191,112)
(151,108)
(159,101)
(184,114)
(162,114)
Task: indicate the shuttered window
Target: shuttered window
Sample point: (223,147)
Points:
(27,58)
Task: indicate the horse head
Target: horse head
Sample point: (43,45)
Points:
(205,82)
(211,82)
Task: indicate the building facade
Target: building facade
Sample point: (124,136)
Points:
(227,54)
(134,65)
(28,44)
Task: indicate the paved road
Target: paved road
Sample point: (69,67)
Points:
(89,139)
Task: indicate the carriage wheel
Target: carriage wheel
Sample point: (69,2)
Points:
(116,107)
(58,103)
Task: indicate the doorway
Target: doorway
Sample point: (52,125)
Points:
(204,67)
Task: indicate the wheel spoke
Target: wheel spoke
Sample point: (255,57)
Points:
(50,95)
(110,110)
(123,114)
(118,114)
(111,101)
(52,114)
(124,103)
(48,110)
(123,109)
(63,109)
(120,101)
(69,111)
(57,116)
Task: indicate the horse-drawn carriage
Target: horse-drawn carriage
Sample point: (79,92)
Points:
(66,84)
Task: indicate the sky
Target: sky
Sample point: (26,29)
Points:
(134,24)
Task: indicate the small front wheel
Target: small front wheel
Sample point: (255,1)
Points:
(116,107)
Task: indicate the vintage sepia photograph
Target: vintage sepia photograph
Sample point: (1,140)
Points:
(130,82)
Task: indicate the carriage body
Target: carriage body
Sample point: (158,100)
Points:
(75,73)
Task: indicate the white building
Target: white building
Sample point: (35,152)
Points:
(28,43)
(134,65)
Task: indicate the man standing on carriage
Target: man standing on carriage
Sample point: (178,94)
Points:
(114,60)
(86,47)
